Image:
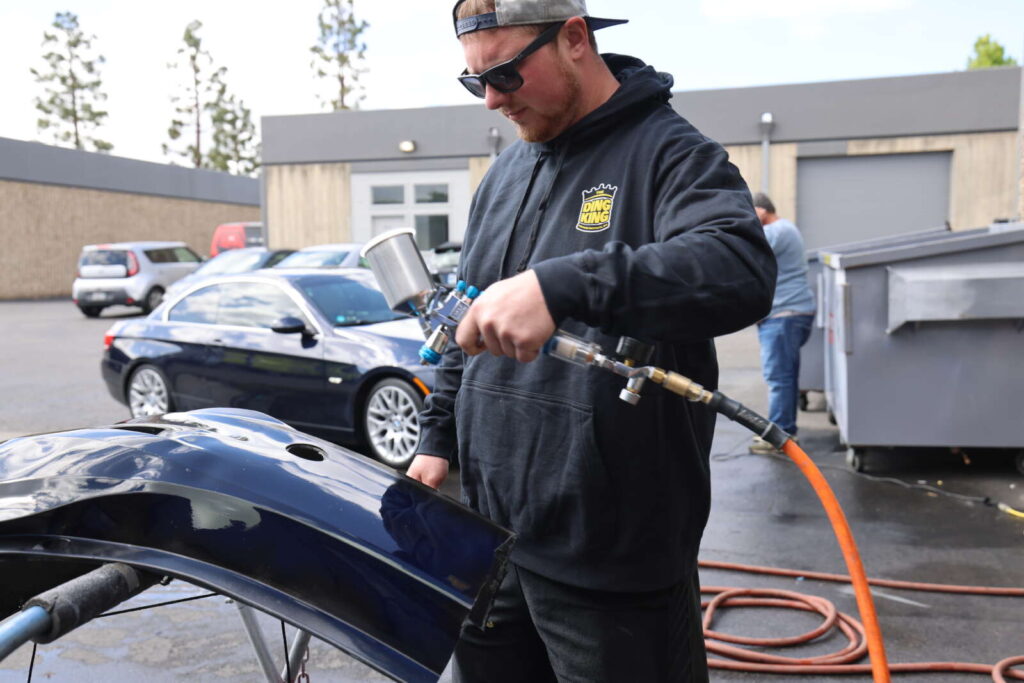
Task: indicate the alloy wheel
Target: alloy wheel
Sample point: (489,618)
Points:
(147,393)
(392,423)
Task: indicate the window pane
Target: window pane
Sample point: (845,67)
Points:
(431,231)
(104,258)
(350,300)
(198,307)
(251,304)
(183,255)
(432,194)
(388,194)
(157,255)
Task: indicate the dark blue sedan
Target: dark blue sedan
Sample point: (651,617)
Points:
(319,350)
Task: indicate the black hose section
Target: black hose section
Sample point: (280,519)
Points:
(83,598)
(739,413)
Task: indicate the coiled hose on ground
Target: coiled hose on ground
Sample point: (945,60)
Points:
(862,638)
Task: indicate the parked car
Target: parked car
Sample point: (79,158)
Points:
(242,260)
(343,255)
(236,236)
(129,273)
(443,262)
(319,350)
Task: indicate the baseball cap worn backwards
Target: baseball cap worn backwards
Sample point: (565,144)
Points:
(523,12)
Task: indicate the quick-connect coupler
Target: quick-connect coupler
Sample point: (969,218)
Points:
(445,320)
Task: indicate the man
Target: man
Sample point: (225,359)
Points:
(611,216)
(788,325)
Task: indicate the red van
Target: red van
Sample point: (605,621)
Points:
(235,236)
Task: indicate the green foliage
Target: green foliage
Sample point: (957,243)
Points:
(339,52)
(70,105)
(988,52)
(235,147)
(212,128)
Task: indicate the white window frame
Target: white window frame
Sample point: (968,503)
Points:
(456,208)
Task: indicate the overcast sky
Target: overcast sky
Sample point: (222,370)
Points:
(413,57)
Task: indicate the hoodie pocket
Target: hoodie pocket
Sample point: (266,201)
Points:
(530,462)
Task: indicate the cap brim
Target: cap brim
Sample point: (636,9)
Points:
(596,23)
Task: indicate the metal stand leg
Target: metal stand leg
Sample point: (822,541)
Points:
(296,651)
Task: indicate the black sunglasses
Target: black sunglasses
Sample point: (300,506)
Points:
(505,77)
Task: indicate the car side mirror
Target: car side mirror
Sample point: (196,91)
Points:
(290,325)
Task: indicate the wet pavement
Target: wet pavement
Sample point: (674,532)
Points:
(763,513)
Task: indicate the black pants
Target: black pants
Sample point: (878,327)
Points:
(542,630)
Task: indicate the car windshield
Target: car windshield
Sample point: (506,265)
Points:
(104,257)
(231,261)
(313,259)
(347,301)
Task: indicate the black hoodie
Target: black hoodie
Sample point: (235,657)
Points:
(635,224)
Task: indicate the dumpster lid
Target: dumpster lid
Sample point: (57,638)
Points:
(815,253)
(995,235)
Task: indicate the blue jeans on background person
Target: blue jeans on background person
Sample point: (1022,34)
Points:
(781,339)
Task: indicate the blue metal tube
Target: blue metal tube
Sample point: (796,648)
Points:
(18,629)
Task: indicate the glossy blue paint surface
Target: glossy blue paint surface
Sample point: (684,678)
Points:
(336,544)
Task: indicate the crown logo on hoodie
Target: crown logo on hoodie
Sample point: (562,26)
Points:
(596,212)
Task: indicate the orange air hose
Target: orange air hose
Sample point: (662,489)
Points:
(858,577)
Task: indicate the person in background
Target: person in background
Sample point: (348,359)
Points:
(610,216)
(788,325)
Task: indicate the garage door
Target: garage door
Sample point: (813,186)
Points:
(849,198)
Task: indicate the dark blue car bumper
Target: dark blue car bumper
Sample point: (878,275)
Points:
(346,549)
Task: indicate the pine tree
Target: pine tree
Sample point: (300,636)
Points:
(338,53)
(235,147)
(73,92)
(215,124)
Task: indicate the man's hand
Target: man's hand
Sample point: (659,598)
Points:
(428,469)
(510,318)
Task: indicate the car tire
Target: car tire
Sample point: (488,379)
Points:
(91,311)
(148,392)
(390,422)
(152,300)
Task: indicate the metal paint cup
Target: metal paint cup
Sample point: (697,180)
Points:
(401,273)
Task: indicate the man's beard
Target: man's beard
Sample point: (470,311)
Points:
(551,126)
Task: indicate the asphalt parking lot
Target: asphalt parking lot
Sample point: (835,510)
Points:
(763,513)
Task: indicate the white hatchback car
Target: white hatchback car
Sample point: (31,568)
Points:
(129,273)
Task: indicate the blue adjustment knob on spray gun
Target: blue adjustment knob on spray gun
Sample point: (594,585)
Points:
(445,319)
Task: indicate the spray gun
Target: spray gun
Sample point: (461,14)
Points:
(408,288)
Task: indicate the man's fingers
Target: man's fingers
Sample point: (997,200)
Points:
(491,340)
(467,336)
(524,355)
(429,470)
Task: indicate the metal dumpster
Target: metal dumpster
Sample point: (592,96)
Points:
(812,354)
(924,342)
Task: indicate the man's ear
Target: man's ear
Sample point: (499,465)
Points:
(576,37)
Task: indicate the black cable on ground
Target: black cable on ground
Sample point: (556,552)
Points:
(982,500)
(158,604)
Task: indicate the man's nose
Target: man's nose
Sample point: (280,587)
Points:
(494,99)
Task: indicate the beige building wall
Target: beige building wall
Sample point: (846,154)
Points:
(308,204)
(44,227)
(478,167)
(782,172)
(984,172)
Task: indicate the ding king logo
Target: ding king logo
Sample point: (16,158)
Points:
(596,212)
